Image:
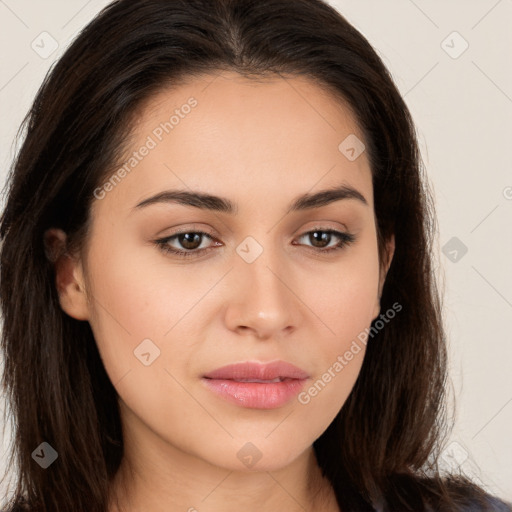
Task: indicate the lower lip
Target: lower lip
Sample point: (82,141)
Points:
(256,395)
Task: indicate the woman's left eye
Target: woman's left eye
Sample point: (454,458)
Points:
(191,242)
(326,235)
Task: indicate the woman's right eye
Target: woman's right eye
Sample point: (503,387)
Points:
(186,239)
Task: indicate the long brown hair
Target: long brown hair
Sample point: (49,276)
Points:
(380,451)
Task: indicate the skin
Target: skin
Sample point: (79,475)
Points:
(260,144)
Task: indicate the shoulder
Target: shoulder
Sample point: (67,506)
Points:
(470,497)
(451,493)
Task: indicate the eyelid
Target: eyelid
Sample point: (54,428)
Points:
(191,229)
(196,228)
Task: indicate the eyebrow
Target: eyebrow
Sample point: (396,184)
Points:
(223,205)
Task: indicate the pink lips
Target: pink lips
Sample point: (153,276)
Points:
(273,384)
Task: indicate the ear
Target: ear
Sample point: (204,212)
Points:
(390,251)
(69,278)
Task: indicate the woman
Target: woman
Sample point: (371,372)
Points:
(215,273)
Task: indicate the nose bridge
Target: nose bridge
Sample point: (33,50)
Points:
(259,264)
(263,300)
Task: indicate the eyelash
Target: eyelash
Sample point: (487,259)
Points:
(345,240)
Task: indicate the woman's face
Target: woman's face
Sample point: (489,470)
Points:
(261,291)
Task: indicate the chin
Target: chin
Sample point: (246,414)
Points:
(257,455)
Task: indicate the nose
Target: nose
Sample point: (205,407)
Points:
(264,300)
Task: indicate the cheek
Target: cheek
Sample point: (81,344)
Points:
(130,306)
(140,327)
(344,303)
(147,314)
(338,358)
(343,295)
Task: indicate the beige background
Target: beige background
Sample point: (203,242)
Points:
(461,100)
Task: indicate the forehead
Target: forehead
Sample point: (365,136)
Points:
(246,137)
(232,100)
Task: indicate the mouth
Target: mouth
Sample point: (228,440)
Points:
(255,385)
(255,371)
(277,379)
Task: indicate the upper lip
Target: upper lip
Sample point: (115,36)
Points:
(255,370)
